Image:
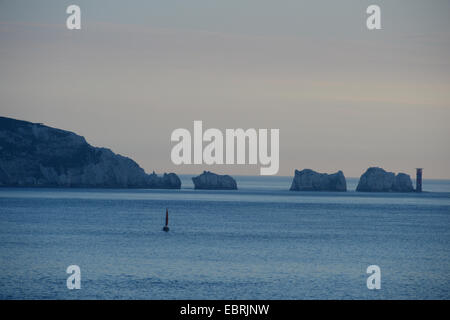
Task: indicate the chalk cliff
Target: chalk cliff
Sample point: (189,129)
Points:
(378,180)
(310,180)
(35,155)
(211,181)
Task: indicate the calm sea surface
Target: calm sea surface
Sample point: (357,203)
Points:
(260,242)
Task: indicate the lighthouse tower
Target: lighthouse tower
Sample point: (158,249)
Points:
(418,179)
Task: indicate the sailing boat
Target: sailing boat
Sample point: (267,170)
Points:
(166,227)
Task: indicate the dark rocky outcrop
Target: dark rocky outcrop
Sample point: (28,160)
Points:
(211,181)
(402,183)
(310,180)
(34,155)
(378,180)
(167,181)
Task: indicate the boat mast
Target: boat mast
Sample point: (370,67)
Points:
(167,217)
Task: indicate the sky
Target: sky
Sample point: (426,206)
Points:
(344,97)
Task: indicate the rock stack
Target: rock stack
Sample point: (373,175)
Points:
(310,180)
(211,181)
(378,180)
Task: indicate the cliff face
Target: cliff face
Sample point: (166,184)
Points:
(378,180)
(34,155)
(310,180)
(211,181)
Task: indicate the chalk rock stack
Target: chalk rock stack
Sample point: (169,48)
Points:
(211,181)
(310,180)
(378,180)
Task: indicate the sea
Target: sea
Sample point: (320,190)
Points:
(259,242)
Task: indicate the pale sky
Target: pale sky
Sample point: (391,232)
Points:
(344,98)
